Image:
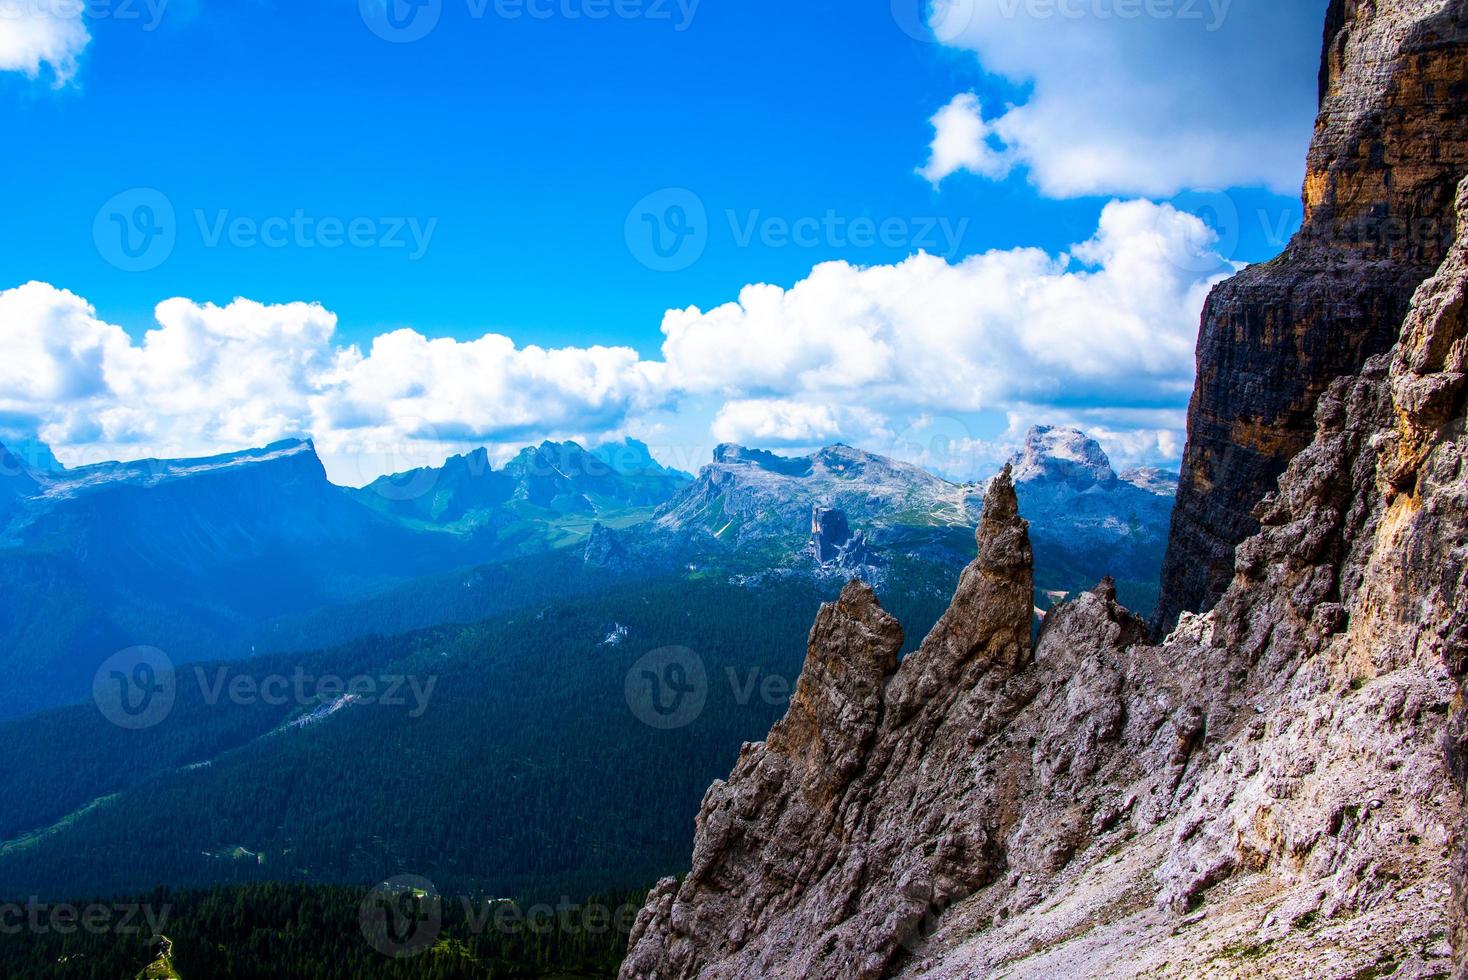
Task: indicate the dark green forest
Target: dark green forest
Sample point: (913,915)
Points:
(526,774)
(272,931)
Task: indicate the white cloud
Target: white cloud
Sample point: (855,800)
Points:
(772,422)
(962,140)
(212,379)
(42,33)
(1115,320)
(1127,97)
(1108,329)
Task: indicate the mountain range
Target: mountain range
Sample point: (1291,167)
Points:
(258,550)
(1088,521)
(591,577)
(209,557)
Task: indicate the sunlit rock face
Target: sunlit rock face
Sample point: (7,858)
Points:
(1390,146)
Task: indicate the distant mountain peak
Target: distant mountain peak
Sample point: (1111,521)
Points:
(632,457)
(16,480)
(1063,454)
(1153,479)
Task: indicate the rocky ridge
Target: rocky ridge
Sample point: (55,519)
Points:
(758,506)
(1263,794)
(1276,789)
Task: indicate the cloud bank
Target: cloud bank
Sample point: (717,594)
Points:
(37,34)
(1106,330)
(1145,97)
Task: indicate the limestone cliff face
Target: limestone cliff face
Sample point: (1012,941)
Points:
(1265,793)
(1390,146)
(1277,788)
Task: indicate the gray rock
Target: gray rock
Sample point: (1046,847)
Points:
(1264,793)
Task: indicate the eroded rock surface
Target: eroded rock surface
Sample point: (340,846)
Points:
(1390,146)
(1265,793)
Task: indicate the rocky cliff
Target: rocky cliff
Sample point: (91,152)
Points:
(1265,793)
(1390,146)
(1274,790)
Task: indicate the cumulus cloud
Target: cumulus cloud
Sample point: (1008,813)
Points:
(1114,320)
(37,34)
(1127,97)
(772,422)
(962,140)
(211,379)
(1104,331)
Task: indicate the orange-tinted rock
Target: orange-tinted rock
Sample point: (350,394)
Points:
(1390,146)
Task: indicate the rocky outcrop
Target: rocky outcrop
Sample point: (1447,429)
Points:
(1390,146)
(1277,788)
(1265,793)
(605,550)
(827,848)
(833,544)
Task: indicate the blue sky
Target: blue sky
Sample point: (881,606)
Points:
(507,155)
